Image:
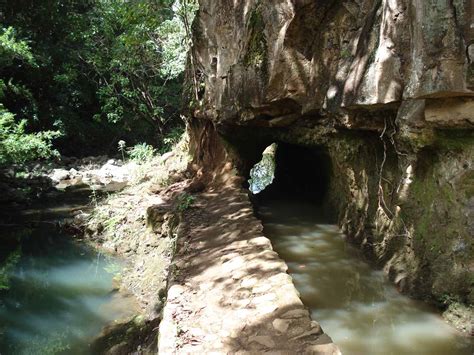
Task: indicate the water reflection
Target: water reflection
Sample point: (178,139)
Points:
(57,301)
(58,293)
(356,306)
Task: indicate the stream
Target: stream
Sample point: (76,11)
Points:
(60,291)
(354,303)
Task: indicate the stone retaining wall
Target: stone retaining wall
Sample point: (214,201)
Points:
(228,291)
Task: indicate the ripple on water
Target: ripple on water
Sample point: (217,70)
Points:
(355,305)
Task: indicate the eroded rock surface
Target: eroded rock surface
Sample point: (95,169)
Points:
(262,60)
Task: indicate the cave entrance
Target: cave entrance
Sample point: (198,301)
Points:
(292,172)
(334,283)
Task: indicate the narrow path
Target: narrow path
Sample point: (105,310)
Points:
(229,291)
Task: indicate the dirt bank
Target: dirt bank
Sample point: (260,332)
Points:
(124,224)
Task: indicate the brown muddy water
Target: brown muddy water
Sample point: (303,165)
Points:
(56,293)
(354,303)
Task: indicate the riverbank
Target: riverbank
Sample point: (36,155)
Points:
(22,185)
(139,224)
(104,203)
(56,293)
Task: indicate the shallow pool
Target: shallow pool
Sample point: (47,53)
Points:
(57,293)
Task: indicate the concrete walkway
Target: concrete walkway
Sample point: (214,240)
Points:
(229,292)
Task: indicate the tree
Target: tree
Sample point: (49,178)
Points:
(15,144)
(99,70)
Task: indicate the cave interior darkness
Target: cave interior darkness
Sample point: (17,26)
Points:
(301,173)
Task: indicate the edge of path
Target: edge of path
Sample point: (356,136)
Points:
(228,291)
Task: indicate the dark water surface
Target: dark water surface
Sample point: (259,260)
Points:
(361,311)
(60,291)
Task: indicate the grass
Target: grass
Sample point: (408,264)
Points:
(185,201)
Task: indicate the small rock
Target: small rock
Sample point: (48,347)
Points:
(263,340)
(312,331)
(175,291)
(59,174)
(243,314)
(281,325)
(249,282)
(195,187)
(261,288)
(232,264)
(266,309)
(242,303)
(166,156)
(73,172)
(295,313)
(265,298)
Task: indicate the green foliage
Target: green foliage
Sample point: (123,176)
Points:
(174,39)
(173,57)
(12,49)
(97,71)
(141,153)
(256,54)
(184,202)
(17,146)
(171,139)
(7,268)
(140,56)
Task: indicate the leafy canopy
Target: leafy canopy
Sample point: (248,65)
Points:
(90,73)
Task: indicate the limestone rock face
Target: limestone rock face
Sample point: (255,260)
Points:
(261,60)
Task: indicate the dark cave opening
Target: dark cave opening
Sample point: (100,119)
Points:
(300,173)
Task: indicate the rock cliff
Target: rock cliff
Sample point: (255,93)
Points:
(385,87)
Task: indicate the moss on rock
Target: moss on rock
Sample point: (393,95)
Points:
(256,53)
